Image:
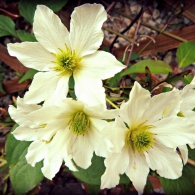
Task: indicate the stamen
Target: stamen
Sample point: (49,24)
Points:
(79,123)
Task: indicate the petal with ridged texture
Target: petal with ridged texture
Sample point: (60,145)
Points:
(173,131)
(32,55)
(89,89)
(101,64)
(49,30)
(137,167)
(165,160)
(86,35)
(116,164)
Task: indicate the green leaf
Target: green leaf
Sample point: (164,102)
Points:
(94,189)
(92,175)
(1,88)
(155,67)
(24,36)
(166,89)
(28,75)
(185,53)
(182,185)
(27,8)
(188,78)
(7,26)
(115,80)
(23,176)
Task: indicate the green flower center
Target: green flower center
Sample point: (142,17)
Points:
(140,138)
(79,123)
(66,61)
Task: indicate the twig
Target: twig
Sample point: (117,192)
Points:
(119,34)
(153,27)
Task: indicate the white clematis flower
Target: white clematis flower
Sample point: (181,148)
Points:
(72,131)
(188,104)
(58,54)
(145,136)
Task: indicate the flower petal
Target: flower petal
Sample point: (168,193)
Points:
(116,164)
(82,151)
(165,160)
(85,28)
(25,133)
(163,105)
(49,30)
(88,89)
(131,112)
(100,111)
(50,168)
(60,92)
(137,167)
(173,131)
(101,145)
(36,152)
(32,55)
(101,64)
(42,87)
(184,153)
(116,133)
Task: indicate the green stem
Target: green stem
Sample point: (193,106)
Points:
(112,104)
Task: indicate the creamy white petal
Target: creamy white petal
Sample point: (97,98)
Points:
(137,171)
(82,151)
(36,152)
(45,114)
(49,30)
(101,64)
(116,164)
(50,168)
(174,131)
(165,160)
(42,87)
(190,115)
(25,133)
(116,132)
(86,35)
(184,153)
(19,116)
(163,105)
(60,92)
(132,111)
(101,144)
(32,55)
(89,89)
(69,163)
(188,100)
(100,111)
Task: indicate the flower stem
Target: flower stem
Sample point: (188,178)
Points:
(112,104)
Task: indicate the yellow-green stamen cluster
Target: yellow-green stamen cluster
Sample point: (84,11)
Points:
(180,114)
(79,123)
(140,138)
(66,61)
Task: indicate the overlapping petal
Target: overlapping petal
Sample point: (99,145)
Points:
(174,131)
(132,111)
(42,87)
(89,89)
(116,164)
